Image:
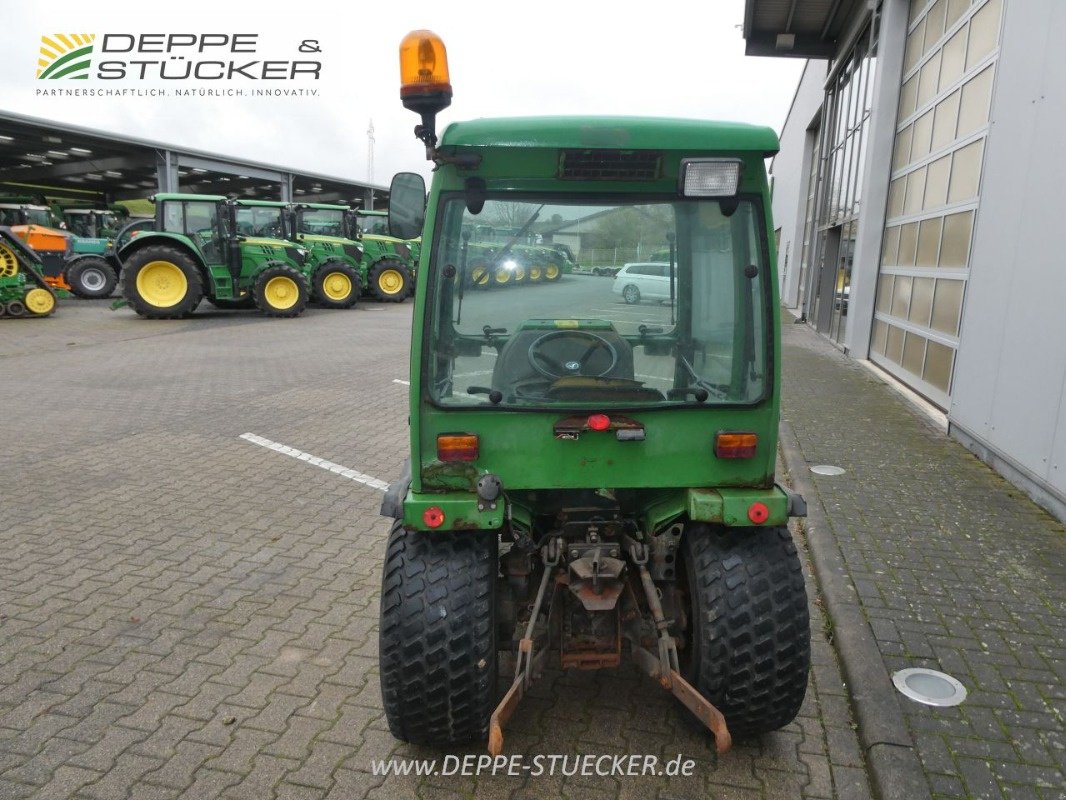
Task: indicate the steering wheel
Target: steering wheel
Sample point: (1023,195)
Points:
(552,368)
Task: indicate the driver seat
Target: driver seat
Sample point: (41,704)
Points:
(513,366)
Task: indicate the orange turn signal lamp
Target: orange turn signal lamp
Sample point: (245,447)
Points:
(733,444)
(457,447)
(424,68)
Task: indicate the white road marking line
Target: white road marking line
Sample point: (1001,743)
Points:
(403,383)
(337,469)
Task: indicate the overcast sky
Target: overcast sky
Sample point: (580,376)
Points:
(678,59)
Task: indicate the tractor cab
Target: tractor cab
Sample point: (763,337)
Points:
(15,213)
(594,461)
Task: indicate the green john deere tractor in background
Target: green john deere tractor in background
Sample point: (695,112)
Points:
(389,265)
(195,252)
(332,264)
(376,223)
(587,480)
(23,290)
(384,274)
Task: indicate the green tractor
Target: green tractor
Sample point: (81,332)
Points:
(389,263)
(196,251)
(92,270)
(89,269)
(587,479)
(23,290)
(332,264)
(506,256)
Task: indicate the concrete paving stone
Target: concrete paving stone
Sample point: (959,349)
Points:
(171,586)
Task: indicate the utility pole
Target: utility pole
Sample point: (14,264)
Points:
(370,150)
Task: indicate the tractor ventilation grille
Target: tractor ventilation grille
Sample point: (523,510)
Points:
(611,165)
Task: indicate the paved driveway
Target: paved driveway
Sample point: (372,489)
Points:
(185,612)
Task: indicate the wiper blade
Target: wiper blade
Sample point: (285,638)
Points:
(521,232)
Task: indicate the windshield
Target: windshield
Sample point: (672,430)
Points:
(39,216)
(373,224)
(264,221)
(516,325)
(321,221)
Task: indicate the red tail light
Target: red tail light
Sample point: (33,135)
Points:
(433,517)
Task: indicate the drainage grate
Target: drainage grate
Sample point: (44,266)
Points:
(610,165)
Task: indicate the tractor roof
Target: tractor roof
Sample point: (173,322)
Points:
(622,133)
(368,213)
(261,203)
(214,198)
(327,206)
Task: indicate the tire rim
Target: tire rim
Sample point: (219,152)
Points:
(631,295)
(281,292)
(162,284)
(551,272)
(479,275)
(337,286)
(92,279)
(503,275)
(39,301)
(535,273)
(390,281)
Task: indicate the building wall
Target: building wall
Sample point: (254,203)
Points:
(791,171)
(1009,390)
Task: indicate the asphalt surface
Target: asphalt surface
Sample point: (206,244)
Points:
(188,613)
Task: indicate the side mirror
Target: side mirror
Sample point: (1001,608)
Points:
(407,205)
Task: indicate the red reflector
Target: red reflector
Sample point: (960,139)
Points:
(457,447)
(735,445)
(758,513)
(433,517)
(599,422)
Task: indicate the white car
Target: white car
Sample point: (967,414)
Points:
(643,280)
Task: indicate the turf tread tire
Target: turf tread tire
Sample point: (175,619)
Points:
(750,628)
(437,635)
(161,252)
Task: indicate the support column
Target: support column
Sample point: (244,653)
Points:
(166,171)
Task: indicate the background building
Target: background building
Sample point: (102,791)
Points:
(918,192)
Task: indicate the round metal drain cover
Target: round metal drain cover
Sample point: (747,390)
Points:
(929,687)
(826,469)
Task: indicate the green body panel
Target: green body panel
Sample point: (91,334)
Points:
(331,248)
(256,255)
(460,512)
(523,156)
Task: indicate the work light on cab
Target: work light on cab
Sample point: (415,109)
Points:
(702,177)
(425,87)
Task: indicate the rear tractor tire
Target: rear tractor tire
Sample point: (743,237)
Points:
(336,285)
(162,282)
(91,278)
(748,645)
(437,640)
(280,291)
(389,280)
